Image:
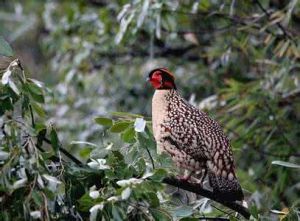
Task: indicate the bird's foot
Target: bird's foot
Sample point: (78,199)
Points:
(183,178)
(186,177)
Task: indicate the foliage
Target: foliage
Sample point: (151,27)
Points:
(120,183)
(241,58)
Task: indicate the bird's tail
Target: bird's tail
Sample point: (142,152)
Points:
(227,189)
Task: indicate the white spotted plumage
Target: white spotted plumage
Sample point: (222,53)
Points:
(194,141)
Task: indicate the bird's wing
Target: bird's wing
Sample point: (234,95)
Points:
(203,139)
(221,169)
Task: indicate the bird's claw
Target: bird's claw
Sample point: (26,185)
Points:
(183,178)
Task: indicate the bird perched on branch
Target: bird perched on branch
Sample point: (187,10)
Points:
(195,142)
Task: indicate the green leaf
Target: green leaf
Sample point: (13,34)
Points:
(99,152)
(145,140)
(286,164)
(128,135)
(116,214)
(25,103)
(125,115)
(47,155)
(38,199)
(14,87)
(49,194)
(85,152)
(35,91)
(120,126)
(183,211)
(86,202)
(253,211)
(159,175)
(5,104)
(153,200)
(5,48)
(160,215)
(39,127)
(33,88)
(104,121)
(204,5)
(54,140)
(38,109)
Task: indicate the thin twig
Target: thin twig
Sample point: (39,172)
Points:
(152,161)
(45,207)
(66,153)
(31,115)
(41,137)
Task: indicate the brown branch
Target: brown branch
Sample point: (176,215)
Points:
(196,188)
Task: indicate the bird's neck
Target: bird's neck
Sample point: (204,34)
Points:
(160,104)
(163,96)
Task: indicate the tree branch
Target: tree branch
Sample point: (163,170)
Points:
(196,188)
(66,153)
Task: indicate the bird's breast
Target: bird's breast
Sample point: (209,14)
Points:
(160,104)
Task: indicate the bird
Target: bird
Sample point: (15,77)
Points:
(195,142)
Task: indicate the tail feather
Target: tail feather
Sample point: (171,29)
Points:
(229,190)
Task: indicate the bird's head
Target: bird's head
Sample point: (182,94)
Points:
(162,79)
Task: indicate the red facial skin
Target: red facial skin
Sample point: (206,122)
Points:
(157,81)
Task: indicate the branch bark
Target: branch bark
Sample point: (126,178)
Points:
(196,188)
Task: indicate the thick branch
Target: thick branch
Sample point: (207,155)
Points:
(196,188)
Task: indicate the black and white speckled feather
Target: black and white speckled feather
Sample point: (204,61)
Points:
(195,141)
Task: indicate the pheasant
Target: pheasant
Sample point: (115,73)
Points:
(195,142)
